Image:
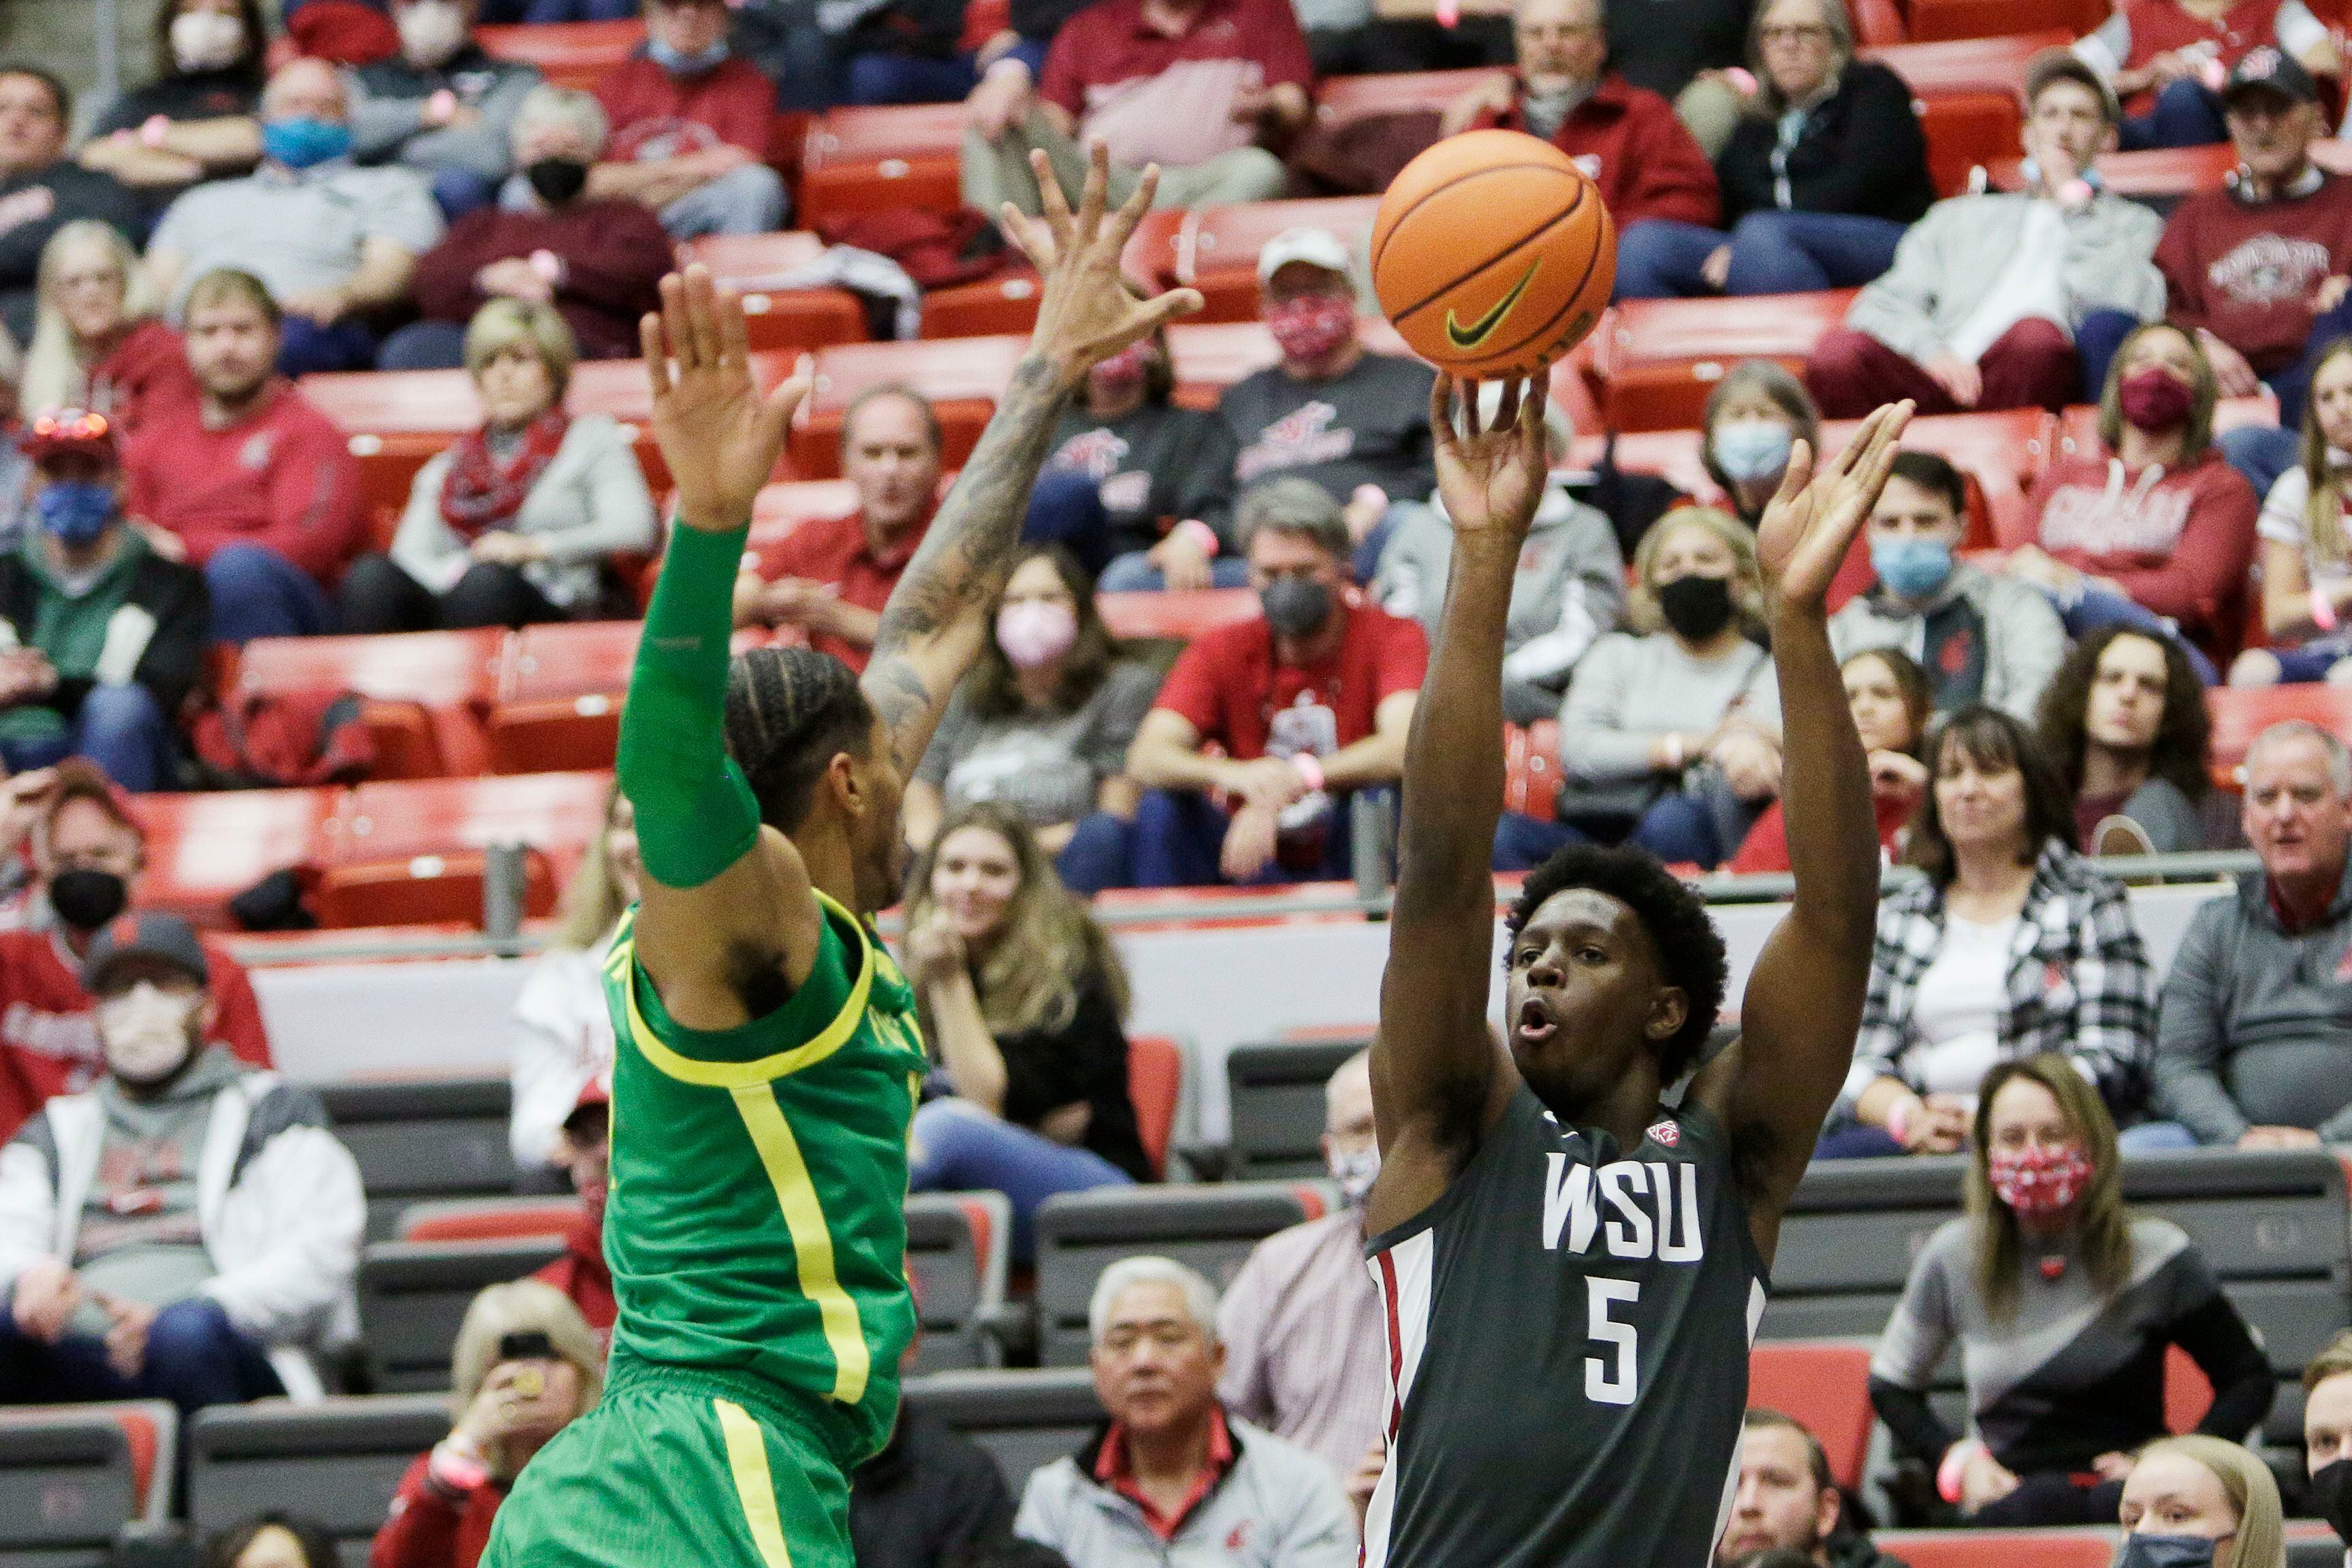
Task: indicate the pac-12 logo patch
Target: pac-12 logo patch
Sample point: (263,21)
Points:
(1665,1135)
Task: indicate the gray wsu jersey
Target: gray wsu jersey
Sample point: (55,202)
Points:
(1567,1351)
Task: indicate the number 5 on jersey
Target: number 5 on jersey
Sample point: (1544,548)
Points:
(1605,1384)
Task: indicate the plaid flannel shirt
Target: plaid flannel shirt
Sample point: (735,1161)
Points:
(2079,981)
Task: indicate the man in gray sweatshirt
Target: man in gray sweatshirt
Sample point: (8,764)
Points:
(2254,1031)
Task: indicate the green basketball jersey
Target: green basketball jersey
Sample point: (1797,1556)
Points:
(757,1222)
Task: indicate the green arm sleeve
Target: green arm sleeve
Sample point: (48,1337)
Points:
(695,815)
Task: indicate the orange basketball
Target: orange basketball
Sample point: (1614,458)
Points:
(1493,255)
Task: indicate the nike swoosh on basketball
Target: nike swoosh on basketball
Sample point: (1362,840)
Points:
(1484,328)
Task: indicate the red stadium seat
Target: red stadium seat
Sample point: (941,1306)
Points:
(560,692)
(1946,19)
(1877,23)
(2240,714)
(412,853)
(1531,774)
(204,849)
(1655,360)
(1999,1548)
(1177,616)
(2188,1392)
(868,160)
(1218,251)
(1346,97)
(488,1218)
(1155,1082)
(2159,172)
(961,376)
(983,20)
(789,320)
(569,54)
(1007,303)
(426,691)
(1826,1388)
(1155,251)
(2001,455)
(1970,94)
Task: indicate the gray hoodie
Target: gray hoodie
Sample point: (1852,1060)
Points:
(2254,1027)
(1569,588)
(2024,638)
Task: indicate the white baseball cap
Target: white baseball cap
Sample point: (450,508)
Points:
(1316,247)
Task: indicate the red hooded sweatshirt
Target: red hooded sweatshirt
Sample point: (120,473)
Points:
(1629,142)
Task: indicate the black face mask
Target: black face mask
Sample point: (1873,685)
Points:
(557,180)
(87,900)
(2331,1494)
(1695,607)
(1296,606)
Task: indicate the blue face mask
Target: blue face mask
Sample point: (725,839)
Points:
(299,140)
(75,512)
(1913,568)
(2166,1551)
(1750,450)
(680,65)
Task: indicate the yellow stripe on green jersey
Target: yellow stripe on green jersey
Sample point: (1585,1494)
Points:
(756,1223)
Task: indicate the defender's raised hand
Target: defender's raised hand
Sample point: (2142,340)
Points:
(718,434)
(1810,524)
(1085,312)
(1493,480)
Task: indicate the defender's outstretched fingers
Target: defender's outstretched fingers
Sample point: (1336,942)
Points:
(1441,411)
(1798,475)
(1162,309)
(1888,445)
(702,315)
(734,333)
(1130,214)
(1096,195)
(1531,420)
(675,330)
(1052,205)
(1470,426)
(654,352)
(1507,411)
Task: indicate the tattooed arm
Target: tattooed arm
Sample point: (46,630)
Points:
(937,619)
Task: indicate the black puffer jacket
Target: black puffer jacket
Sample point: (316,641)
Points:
(1861,152)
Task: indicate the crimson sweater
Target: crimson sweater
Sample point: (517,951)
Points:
(284,478)
(2179,541)
(148,369)
(1627,141)
(657,115)
(430,1529)
(614,255)
(2245,271)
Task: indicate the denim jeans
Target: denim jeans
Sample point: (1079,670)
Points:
(879,79)
(123,729)
(2096,338)
(2095,609)
(305,348)
(424,346)
(1178,836)
(747,200)
(1065,509)
(195,1357)
(959,1147)
(2187,114)
(257,592)
(511,11)
(2261,453)
(457,192)
(1101,855)
(1772,253)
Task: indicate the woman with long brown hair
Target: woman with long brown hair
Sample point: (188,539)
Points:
(2063,1303)
(1021,998)
(2123,718)
(2306,549)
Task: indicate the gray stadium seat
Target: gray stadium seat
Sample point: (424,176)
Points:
(957,1244)
(72,1476)
(339,1462)
(414,1294)
(1276,1097)
(440,1138)
(1025,1419)
(1213,1229)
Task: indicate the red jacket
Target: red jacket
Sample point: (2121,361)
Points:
(2161,27)
(48,1040)
(147,370)
(582,1274)
(429,1530)
(1629,142)
(657,115)
(284,478)
(614,255)
(2181,541)
(2246,271)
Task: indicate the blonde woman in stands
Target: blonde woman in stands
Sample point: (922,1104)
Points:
(2305,564)
(2063,1303)
(2202,1502)
(516,522)
(1021,998)
(562,1034)
(98,342)
(526,1364)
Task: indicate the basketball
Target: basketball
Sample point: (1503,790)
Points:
(1493,255)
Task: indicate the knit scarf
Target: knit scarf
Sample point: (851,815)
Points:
(482,492)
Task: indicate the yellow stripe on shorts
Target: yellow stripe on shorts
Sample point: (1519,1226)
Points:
(747,1456)
(780,1154)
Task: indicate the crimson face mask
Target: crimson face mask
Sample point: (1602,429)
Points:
(2038,1183)
(1312,327)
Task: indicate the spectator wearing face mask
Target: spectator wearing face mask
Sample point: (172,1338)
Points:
(104,639)
(546,241)
(2200,1502)
(1042,724)
(1354,422)
(690,124)
(85,850)
(333,243)
(1309,700)
(2063,1303)
(1303,1322)
(184,1230)
(1979,636)
(2328,1435)
(1753,420)
(196,120)
(442,106)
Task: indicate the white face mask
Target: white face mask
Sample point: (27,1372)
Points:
(430,32)
(144,1032)
(206,40)
(1356,1173)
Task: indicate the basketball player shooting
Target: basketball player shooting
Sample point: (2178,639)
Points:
(768,1058)
(1574,1259)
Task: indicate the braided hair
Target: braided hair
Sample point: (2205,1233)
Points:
(790,711)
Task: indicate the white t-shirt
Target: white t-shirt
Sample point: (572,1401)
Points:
(1956,1017)
(2034,284)
(2285,520)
